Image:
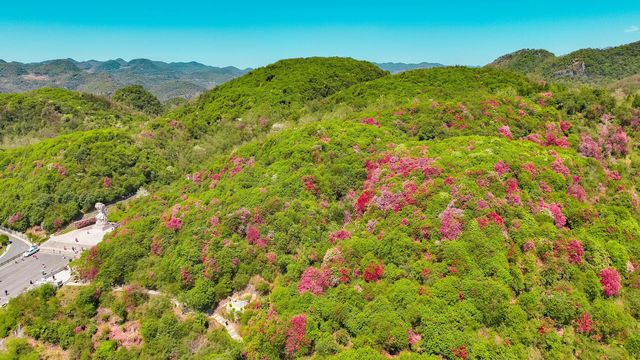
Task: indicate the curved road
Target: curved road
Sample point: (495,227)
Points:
(16,248)
(18,274)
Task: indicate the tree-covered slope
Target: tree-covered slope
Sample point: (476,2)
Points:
(274,93)
(28,117)
(138,98)
(527,61)
(447,213)
(446,83)
(283,88)
(440,247)
(581,66)
(52,182)
(265,100)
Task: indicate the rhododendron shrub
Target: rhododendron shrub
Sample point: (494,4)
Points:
(386,169)
(610,142)
(107,183)
(315,281)
(460,352)
(575,251)
(506,132)
(610,280)
(370,121)
(413,337)
(555,210)
(589,147)
(373,272)
(576,190)
(451,222)
(558,166)
(174,223)
(296,334)
(501,168)
(341,234)
(554,137)
(583,323)
(16,217)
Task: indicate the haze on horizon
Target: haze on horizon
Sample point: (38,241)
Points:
(252,33)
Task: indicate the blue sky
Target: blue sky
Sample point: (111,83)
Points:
(254,33)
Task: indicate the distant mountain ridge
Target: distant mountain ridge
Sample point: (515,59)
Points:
(398,67)
(595,66)
(164,80)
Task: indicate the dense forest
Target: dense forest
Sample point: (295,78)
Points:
(587,66)
(445,213)
(28,117)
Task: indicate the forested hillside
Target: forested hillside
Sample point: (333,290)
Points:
(29,117)
(448,213)
(51,183)
(595,66)
(265,100)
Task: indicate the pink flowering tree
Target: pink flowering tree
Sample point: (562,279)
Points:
(174,223)
(583,323)
(296,334)
(506,132)
(451,222)
(106,182)
(315,281)
(575,252)
(610,280)
(501,167)
(373,272)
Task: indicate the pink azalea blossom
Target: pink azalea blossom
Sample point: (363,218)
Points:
(315,281)
(583,323)
(506,132)
(528,246)
(610,280)
(559,167)
(370,121)
(413,337)
(451,222)
(296,333)
(575,251)
(373,272)
(501,168)
(341,234)
(174,223)
(106,182)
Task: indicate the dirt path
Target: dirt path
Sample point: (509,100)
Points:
(229,325)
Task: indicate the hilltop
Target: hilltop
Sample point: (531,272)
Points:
(164,80)
(264,100)
(595,66)
(45,113)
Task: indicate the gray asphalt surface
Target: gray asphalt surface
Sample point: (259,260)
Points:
(17,247)
(15,276)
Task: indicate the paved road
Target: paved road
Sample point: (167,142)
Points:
(17,247)
(15,276)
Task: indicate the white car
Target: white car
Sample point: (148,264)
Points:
(32,250)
